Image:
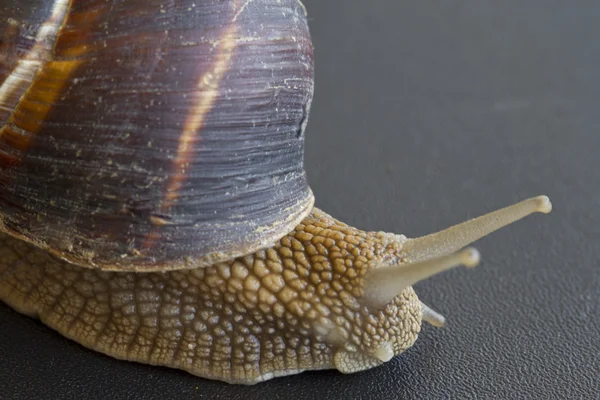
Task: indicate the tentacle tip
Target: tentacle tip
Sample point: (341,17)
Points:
(543,204)
(439,323)
(432,317)
(470,257)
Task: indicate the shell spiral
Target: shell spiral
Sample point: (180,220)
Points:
(152,134)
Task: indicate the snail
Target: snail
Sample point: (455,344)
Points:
(154,205)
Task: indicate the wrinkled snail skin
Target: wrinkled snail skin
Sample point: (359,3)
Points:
(292,307)
(325,296)
(154,205)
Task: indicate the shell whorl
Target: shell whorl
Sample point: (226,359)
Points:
(152,135)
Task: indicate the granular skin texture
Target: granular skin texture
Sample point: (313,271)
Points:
(292,307)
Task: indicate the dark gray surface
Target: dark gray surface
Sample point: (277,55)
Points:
(427,113)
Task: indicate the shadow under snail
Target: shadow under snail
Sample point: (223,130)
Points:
(154,205)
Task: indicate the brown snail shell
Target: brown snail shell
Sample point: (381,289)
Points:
(136,137)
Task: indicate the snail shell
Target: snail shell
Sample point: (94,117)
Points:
(152,135)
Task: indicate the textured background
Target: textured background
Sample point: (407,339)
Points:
(428,113)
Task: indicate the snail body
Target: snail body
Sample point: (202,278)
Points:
(154,205)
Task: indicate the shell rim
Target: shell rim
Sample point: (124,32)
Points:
(304,207)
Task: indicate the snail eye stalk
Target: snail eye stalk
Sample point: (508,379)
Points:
(439,252)
(458,236)
(383,284)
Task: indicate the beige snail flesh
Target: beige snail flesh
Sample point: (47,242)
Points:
(325,296)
